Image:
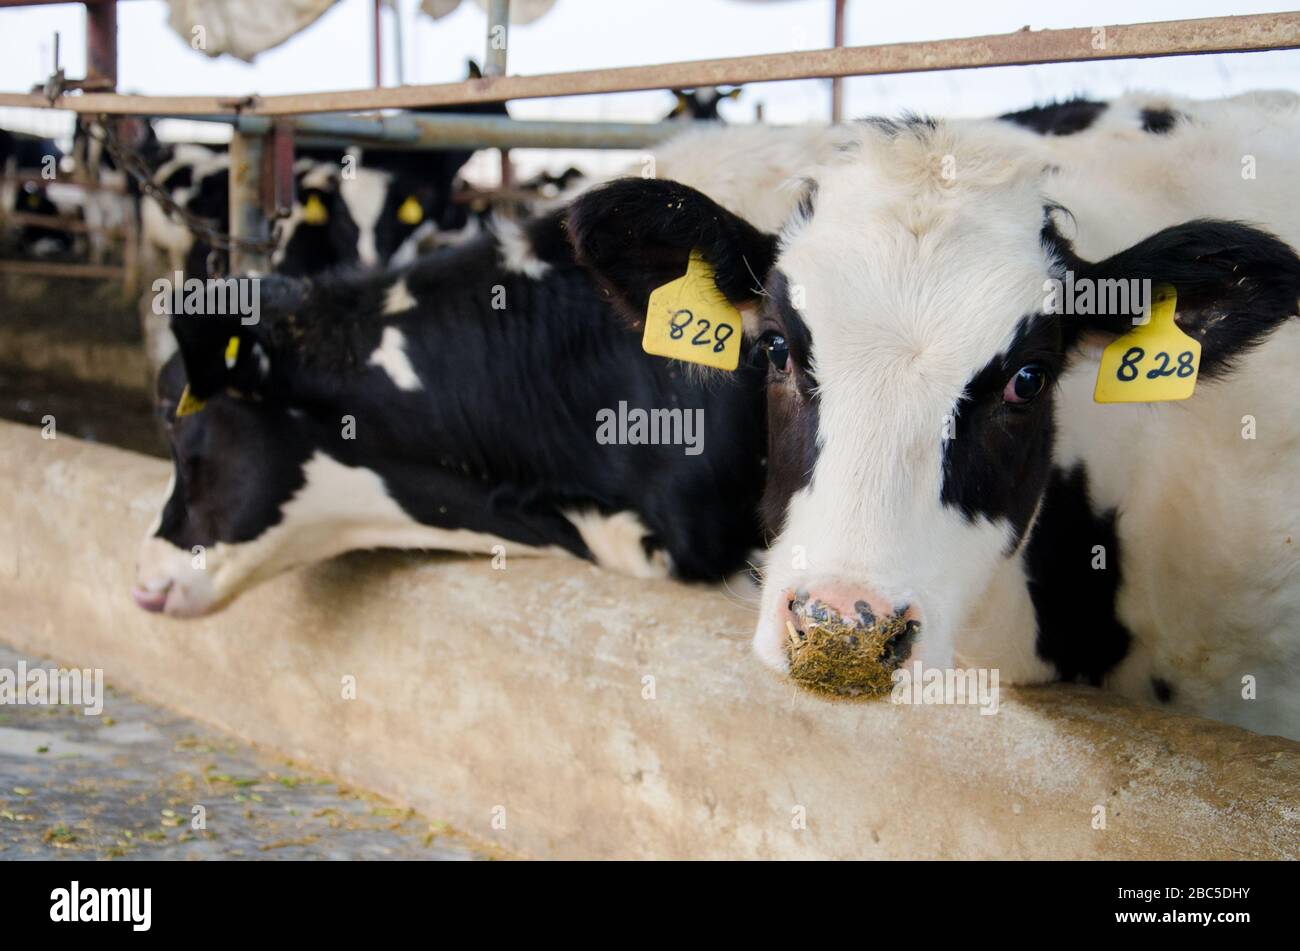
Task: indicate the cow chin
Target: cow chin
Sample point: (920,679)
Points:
(169,582)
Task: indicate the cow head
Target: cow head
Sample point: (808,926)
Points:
(913,368)
(238,455)
(702,103)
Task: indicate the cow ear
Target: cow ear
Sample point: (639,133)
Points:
(637,234)
(472,70)
(1235,285)
(222,353)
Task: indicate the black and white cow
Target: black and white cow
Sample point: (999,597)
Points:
(934,447)
(701,103)
(28,153)
(39,240)
(455,404)
(23,154)
(195,177)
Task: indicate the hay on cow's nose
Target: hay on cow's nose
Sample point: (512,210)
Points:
(841,659)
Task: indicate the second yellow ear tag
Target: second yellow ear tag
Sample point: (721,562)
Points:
(1153,363)
(409,212)
(188,404)
(689,319)
(314,211)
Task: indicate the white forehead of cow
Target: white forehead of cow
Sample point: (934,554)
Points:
(923,250)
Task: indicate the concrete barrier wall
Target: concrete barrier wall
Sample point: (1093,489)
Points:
(521,695)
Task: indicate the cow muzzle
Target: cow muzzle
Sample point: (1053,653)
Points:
(169,581)
(846,642)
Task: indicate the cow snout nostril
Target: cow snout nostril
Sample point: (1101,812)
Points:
(152,601)
(847,647)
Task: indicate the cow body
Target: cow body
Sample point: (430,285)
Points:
(25,154)
(403,409)
(475,427)
(935,452)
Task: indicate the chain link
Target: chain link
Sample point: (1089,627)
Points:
(134,164)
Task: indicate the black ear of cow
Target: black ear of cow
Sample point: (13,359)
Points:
(213,364)
(637,234)
(472,70)
(1236,284)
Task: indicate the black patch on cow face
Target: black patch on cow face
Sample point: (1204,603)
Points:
(792,411)
(997,464)
(1058,118)
(316,247)
(1159,121)
(393,228)
(236,463)
(1074,603)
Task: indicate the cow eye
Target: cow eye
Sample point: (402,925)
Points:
(777,350)
(1025,385)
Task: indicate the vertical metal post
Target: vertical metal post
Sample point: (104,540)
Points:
(399,45)
(494,64)
(101,45)
(378,26)
(498,30)
(837,84)
(247,219)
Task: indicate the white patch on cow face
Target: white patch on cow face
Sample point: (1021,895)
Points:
(365,192)
(911,283)
(391,357)
(615,543)
(339,508)
(398,299)
(517,252)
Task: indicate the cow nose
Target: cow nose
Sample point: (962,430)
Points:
(153,601)
(846,640)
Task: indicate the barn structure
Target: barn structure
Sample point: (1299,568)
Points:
(639,726)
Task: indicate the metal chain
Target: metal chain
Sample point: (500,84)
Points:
(133,164)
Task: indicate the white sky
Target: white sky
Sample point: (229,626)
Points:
(335,53)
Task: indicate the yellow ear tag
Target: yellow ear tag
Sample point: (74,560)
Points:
(188,405)
(409,212)
(314,211)
(232,352)
(33,200)
(1153,363)
(689,319)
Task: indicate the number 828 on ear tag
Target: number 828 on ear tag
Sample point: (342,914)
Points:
(1153,363)
(690,319)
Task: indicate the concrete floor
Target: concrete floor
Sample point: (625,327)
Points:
(125,784)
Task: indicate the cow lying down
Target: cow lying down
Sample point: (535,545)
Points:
(938,468)
(484,396)
(464,402)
